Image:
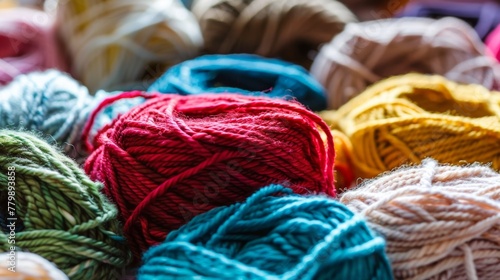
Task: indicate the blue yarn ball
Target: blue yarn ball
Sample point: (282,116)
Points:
(275,234)
(243,73)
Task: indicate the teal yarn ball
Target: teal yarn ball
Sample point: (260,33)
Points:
(274,234)
(245,74)
(56,211)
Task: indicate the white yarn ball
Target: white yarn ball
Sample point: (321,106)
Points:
(114,43)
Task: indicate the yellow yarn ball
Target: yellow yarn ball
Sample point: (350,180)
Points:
(405,119)
(116,44)
(28,266)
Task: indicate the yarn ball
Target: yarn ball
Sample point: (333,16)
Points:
(27,43)
(243,73)
(287,29)
(493,43)
(368,52)
(407,118)
(174,157)
(60,214)
(274,234)
(439,222)
(28,266)
(48,103)
(116,44)
(483,16)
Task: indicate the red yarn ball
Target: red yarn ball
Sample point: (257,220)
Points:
(175,157)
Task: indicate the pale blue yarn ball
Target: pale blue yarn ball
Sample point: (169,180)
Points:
(56,107)
(50,104)
(275,234)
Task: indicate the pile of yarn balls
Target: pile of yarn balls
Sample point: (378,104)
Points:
(249,139)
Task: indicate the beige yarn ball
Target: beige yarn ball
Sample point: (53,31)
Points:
(367,52)
(439,222)
(287,29)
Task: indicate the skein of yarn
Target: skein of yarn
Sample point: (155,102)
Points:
(493,43)
(287,29)
(28,266)
(174,157)
(49,103)
(407,118)
(483,16)
(242,73)
(115,44)
(439,222)
(274,234)
(59,213)
(367,52)
(27,43)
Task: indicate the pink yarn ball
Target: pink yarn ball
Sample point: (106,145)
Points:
(493,43)
(28,43)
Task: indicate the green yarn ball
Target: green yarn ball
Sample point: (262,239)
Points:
(61,214)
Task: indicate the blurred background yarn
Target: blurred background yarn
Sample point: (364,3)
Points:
(493,43)
(28,43)
(274,234)
(288,29)
(117,45)
(61,214)
(439,221)
(7,4)
(483,16)
(405,119)
(243,73)
(28,266)
(365,53)
(174,157)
